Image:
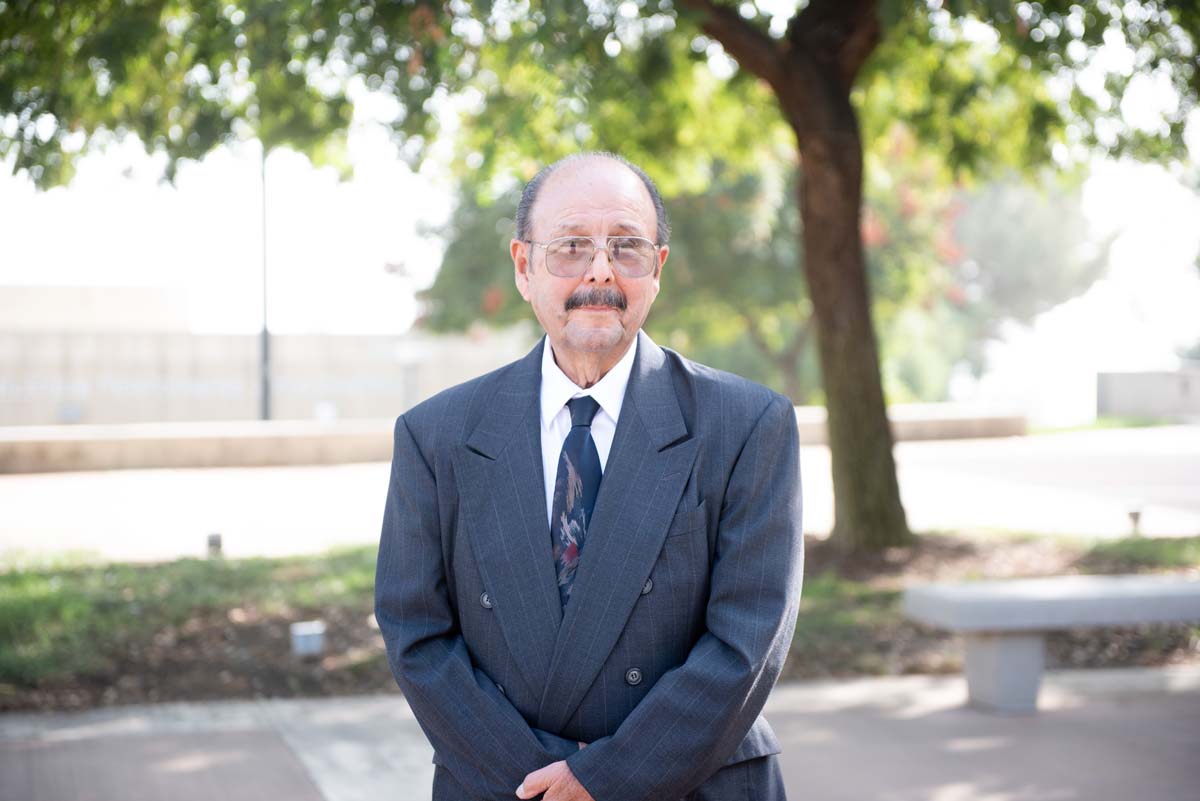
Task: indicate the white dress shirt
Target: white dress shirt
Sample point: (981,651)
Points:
(557,389)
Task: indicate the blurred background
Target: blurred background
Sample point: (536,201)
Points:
(1029,228)
(1062,296)
(237,239)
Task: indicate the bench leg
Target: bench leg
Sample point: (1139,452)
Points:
(1004,671)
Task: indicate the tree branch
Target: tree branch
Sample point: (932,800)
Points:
(796,347)
(753,49)
(839,33)
(753,332)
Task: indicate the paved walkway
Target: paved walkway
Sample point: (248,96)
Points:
(1105,735)
(1081,482)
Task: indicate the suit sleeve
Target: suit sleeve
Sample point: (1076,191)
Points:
(695,716)
(478,734)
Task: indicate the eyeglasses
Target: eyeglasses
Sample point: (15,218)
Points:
(570,256)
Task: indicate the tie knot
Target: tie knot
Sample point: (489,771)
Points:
(582,410)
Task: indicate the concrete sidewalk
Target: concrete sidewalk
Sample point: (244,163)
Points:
(1076,482)
(1111,735)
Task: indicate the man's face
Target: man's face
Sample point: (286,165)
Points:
(595,197)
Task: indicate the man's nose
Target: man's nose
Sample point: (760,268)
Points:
(600,270)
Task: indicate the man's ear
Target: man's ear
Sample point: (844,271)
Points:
(663,252)
(520,253)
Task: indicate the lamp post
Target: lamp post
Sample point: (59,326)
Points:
(265,350)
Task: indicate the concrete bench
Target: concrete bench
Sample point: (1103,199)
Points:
(1004,623)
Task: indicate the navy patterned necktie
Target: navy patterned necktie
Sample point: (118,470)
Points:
(575,490)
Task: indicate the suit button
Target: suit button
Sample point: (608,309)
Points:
(633,676)
(485,600)
(649,585)
(500,687)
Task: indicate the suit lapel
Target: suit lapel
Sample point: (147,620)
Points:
(647,470)
(504,511)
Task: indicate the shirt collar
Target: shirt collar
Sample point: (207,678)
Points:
(609,391)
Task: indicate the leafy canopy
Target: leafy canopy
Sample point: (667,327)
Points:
(982,80)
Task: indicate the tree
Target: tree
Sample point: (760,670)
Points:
(187,74)
(1024,249)
(949,263)
(733,274)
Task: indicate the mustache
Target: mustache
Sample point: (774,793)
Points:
(597,296)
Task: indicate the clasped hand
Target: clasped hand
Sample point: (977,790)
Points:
(557,782)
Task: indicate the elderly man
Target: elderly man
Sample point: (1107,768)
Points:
(591,558)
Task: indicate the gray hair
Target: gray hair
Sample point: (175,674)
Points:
(530,193)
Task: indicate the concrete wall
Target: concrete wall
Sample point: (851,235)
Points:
(1157,395)
(246,443)
(51,378)
(172,399)
(251,443)
(40,308)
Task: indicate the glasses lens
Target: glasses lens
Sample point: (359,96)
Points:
(570,255)
(631,253)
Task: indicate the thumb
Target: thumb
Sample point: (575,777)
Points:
(534,784)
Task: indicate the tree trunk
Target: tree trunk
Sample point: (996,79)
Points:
(868,512)
(811,71)
(867,509)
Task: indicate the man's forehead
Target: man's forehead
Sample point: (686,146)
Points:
(585,187)
(577,223)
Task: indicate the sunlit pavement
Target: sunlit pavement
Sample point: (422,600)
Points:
(1080,482)
(1074,482)
(1102,735)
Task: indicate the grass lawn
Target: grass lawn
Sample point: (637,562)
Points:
(81,635)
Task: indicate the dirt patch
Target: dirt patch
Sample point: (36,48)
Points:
(949,558)
(235,655)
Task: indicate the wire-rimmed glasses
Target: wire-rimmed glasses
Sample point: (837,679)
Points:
(570,256)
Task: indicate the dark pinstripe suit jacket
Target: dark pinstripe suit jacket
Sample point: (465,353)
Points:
(683,607)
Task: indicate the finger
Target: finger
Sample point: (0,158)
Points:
(534,783)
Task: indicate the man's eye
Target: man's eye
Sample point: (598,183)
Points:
(632,248)
(573,247)
(621,243)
